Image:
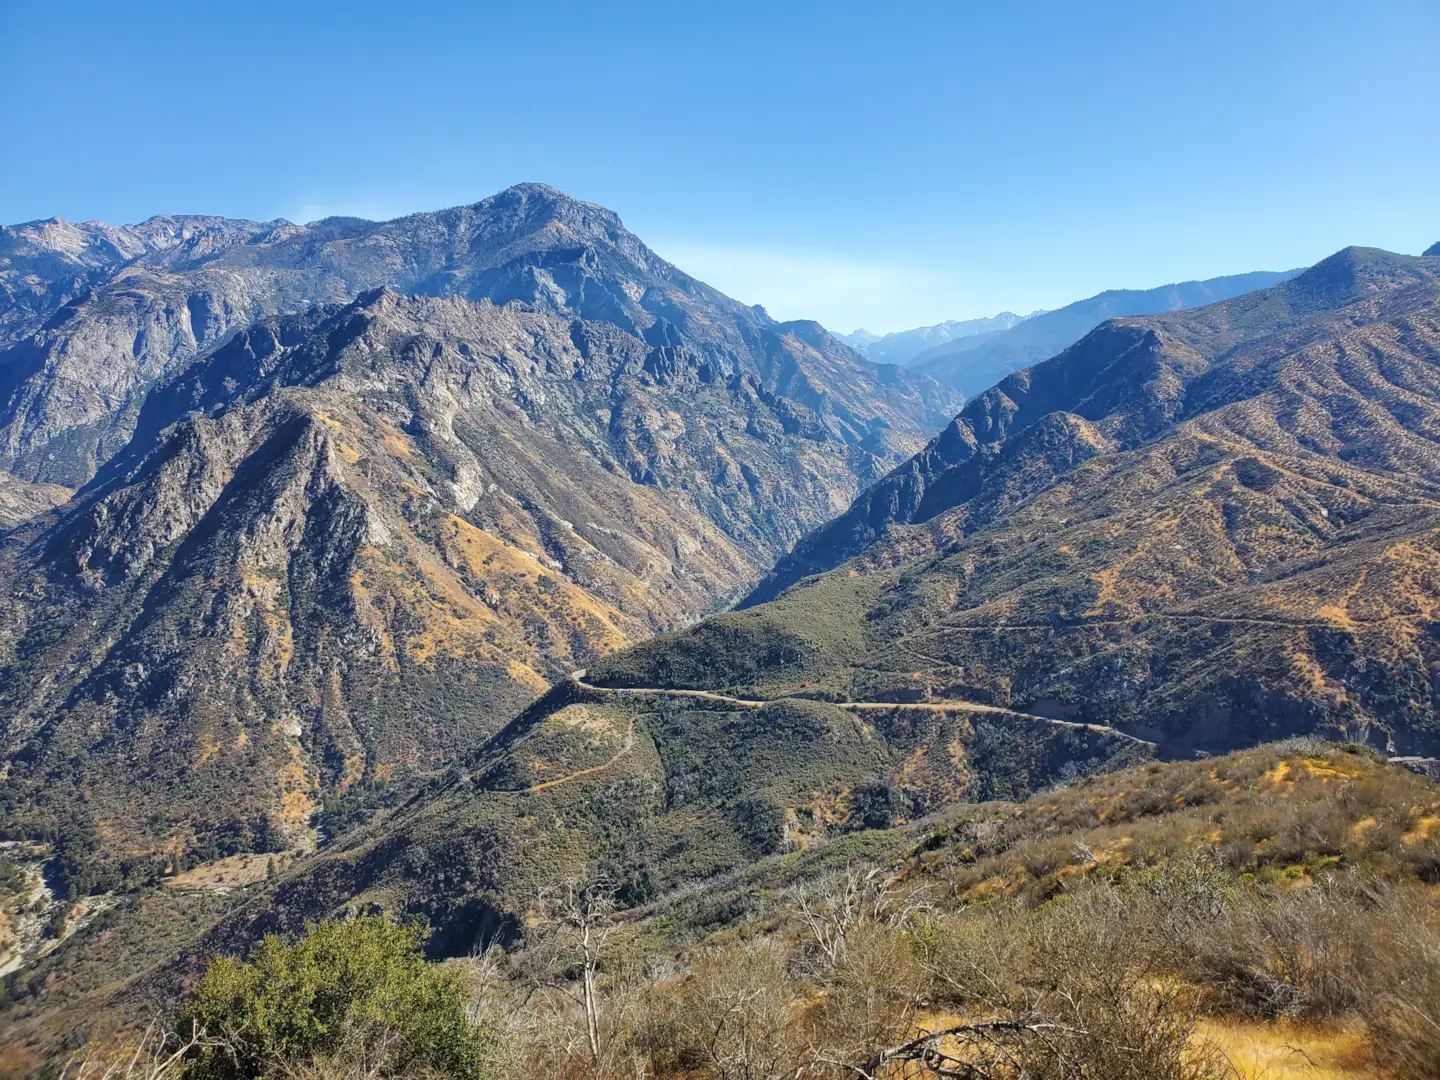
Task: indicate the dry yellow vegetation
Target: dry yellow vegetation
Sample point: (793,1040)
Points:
(1289,1051)
(231,872)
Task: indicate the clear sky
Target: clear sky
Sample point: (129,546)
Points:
(876,164)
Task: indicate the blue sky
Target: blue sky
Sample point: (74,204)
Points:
(863,164)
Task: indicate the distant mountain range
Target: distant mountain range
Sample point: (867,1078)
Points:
(904,346)
(974,355)
(972,365)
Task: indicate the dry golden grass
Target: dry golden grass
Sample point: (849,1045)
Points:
(1252,1051)
(1279,812)
(1285,1051)
(232,872)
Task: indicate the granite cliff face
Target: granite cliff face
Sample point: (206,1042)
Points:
(345,545)
(45,265)
(93,316)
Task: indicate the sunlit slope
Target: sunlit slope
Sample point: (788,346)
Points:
(1212,528)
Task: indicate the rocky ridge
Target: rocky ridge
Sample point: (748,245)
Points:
(973,364)
(93,316)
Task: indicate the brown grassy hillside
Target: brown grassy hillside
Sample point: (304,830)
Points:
(1211,528)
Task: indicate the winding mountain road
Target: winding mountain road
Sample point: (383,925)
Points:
(578,678)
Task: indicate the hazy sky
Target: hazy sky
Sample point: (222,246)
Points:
(885,165)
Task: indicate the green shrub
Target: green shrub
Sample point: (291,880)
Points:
(354,991)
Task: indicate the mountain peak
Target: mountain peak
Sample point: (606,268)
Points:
(534,189)
(1433,249)
(533,199)
(1351,273)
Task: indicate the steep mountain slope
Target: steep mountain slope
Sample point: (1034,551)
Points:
(1210,527)
(94,316)
(348,545)
(973,364)
(902,347)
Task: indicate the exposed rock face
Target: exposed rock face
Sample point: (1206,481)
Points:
(1217,527)
(45,265)
(348,542)
(351,543)
(91,316)
(21,500)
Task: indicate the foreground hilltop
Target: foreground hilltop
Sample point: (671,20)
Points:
(1201,919)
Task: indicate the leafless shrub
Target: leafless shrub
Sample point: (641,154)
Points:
(969,957)
(1068,991)
(835,905)
(871,997)
(1304,954)
(158,1054)
(1122,1020)
(584,990)
(368,1055)
(860,959)
(1403,1002)
(734,1016)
